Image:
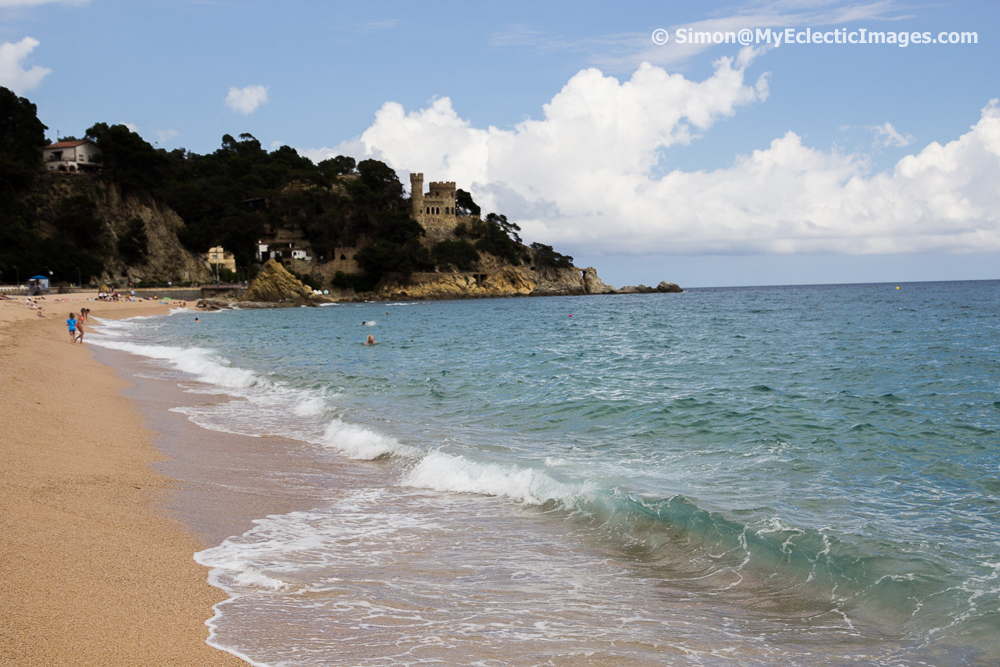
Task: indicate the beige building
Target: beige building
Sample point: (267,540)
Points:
(219,258)
(72,156)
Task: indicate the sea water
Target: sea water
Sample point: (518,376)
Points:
(746,476)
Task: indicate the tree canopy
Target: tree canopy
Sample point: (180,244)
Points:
(22,136)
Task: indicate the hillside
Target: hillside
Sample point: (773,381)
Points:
(151,215)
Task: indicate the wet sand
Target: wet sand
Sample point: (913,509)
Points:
(92,570)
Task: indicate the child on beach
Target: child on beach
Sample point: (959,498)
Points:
(79,331)
(71,323)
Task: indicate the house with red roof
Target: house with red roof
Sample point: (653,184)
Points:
(72,156)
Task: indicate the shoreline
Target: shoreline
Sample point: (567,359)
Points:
(94,571)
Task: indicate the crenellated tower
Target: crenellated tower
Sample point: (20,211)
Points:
(416,195)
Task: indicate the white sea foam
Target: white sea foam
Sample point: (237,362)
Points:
(310,406)
(358,442)
(256,578)
(202,363)
(446,472)
(299,541)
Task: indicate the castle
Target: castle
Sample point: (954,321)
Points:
(435,211)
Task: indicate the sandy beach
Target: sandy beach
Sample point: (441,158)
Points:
(92,571)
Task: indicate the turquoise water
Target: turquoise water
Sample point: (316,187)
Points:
(783,475)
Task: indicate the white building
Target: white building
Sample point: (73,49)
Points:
(72,156)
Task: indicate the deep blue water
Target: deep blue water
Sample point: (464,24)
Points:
(780,475)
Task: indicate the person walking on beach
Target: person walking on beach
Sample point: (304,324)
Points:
(79,331)
(71,323)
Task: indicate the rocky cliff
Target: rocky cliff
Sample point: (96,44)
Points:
(274,284)
(166,260)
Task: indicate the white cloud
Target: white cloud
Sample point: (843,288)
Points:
(585,176)
(12,73)
(887,135)
(246,100)
(163,136)
(131,126)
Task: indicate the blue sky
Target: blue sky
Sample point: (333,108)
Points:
(707,165)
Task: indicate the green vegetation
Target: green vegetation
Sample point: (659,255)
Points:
(460,254)
(495,235)
(546,256)
(361,282)
(22,136)
(133,245)
(464,205)
(233,197)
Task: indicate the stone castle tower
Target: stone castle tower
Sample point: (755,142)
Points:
(436,209)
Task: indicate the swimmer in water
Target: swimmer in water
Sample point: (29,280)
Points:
(371,340)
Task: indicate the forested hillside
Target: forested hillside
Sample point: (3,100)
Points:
(233,196)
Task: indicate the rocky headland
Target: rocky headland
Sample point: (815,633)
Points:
(276,287)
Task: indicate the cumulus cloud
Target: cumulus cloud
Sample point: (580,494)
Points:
(12,73)
(246,100)
(887,135)
(587,175)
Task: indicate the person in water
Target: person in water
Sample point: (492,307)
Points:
(371,340)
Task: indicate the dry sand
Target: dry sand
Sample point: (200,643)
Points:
(91,570)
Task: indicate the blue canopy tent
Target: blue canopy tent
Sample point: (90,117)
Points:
(38,283)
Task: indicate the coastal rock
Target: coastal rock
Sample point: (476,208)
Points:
(274,284)
(559,282)
(593,284)
(508,281)
(636,289)
(663,287)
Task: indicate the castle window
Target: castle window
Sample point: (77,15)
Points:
(343,256)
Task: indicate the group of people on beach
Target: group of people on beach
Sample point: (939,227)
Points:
(115,296)
(75,325)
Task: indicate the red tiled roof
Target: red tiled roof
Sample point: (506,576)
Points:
(70,144)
